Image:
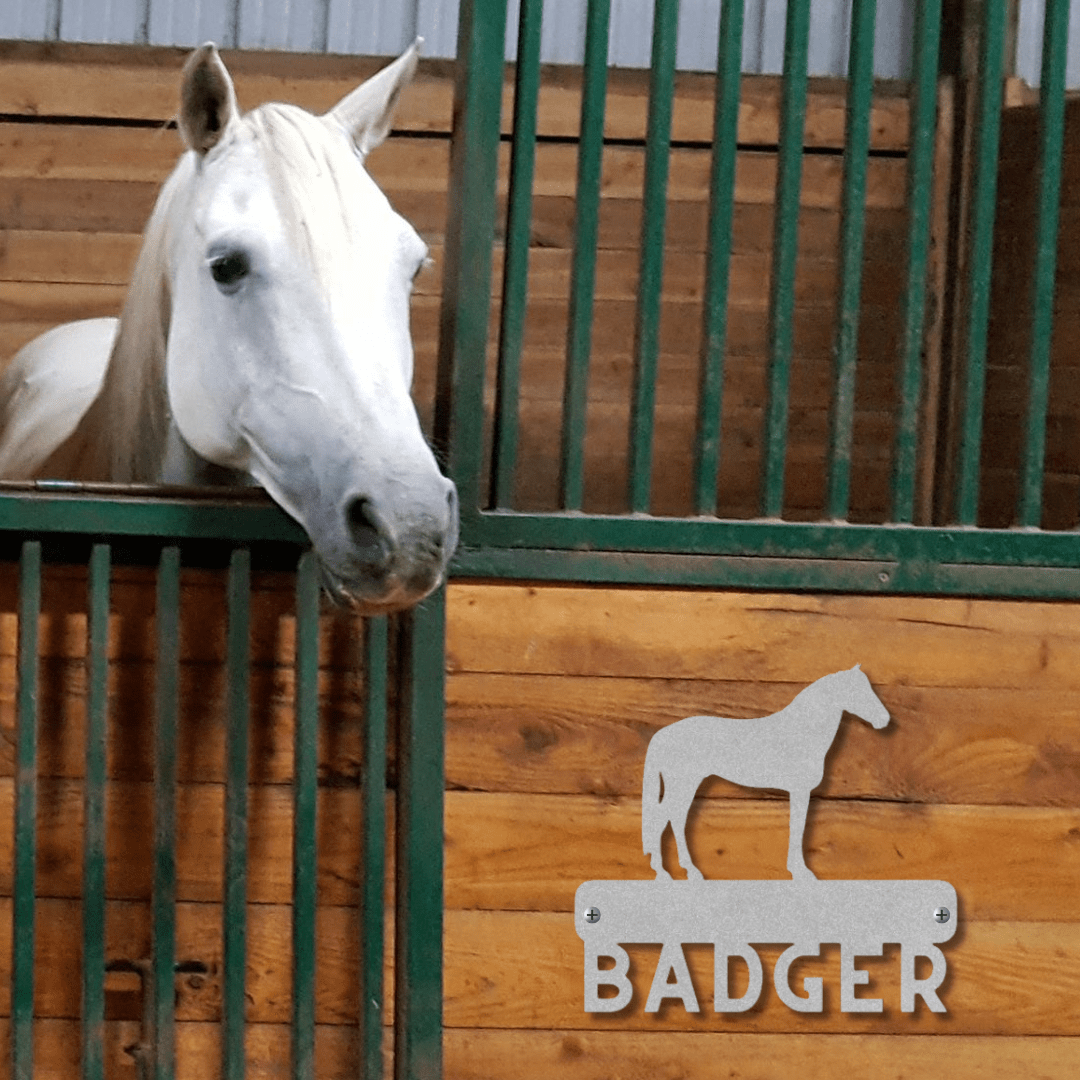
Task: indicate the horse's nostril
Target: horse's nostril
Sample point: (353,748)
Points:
(365,530)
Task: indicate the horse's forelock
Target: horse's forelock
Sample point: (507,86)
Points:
(306,163)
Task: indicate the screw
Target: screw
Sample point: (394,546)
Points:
(883,577)
(592,914)
(941,914)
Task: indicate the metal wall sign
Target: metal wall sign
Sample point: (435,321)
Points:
(785,751)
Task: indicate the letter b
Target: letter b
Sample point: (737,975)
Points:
(616,976)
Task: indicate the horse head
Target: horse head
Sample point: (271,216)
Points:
(862,700)
(288,356)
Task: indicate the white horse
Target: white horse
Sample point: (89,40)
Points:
(786,751)
(264,338)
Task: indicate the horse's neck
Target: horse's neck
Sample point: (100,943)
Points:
(821,701)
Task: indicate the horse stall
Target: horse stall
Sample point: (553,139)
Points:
(689,349)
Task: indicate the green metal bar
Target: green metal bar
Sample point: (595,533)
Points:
(23,888)
(419,895)
(234,906)
(785,252)
(718,256)
(583,269)
(470,235)
(981,251)
(920,174)
(1051,136)
(93,901)
(860,95)
(163,902)
(623,536)
(305,790)
(651,264)
(57,508)
(515,287)
(373,846)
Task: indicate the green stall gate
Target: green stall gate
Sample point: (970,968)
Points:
(478,427)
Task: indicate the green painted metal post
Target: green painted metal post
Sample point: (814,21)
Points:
(590,164)
(980,260)
(1051,137)
(470,235)
(785,253)
(234,906)
(920,177)
(860,97)
(718,256)
(373,845)
(651,261)
(516,254)
(93,899)
(24,875)
(305,792)
(419,895)
(163,901)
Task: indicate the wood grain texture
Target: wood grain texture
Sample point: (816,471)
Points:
(602,1055)
(120,83)
(793,638)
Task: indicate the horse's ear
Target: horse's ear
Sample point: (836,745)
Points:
(367,112)
(857,667)
(207,99)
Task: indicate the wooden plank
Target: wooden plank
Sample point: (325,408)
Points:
(198,938)
(200,815)
(794,638)
(523,1054)
(57,1048)
(515,1054)
(524,970)
(108,258)
(128,83)
(530,853)
(422,164)
(549,734)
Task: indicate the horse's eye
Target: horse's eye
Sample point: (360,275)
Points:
(229,270)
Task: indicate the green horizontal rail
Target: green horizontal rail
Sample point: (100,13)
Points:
(56,508)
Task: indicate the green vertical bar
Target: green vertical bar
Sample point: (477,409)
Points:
(470,235)
(163,902)
(1051,135)
(852,220)
(419,894)
(305,790)
(93,903)
(785,252)
(22,945)
(373,846)
(981,251)
(234,907)
(651,265)
(718,256)
(516,255)
(583,268)
(920,173)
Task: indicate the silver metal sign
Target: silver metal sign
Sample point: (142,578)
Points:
(786,751)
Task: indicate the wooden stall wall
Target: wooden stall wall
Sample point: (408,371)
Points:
(554,694)
(83,150)
(1010,326)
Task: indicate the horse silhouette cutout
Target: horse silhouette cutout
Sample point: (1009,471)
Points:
(785,750)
